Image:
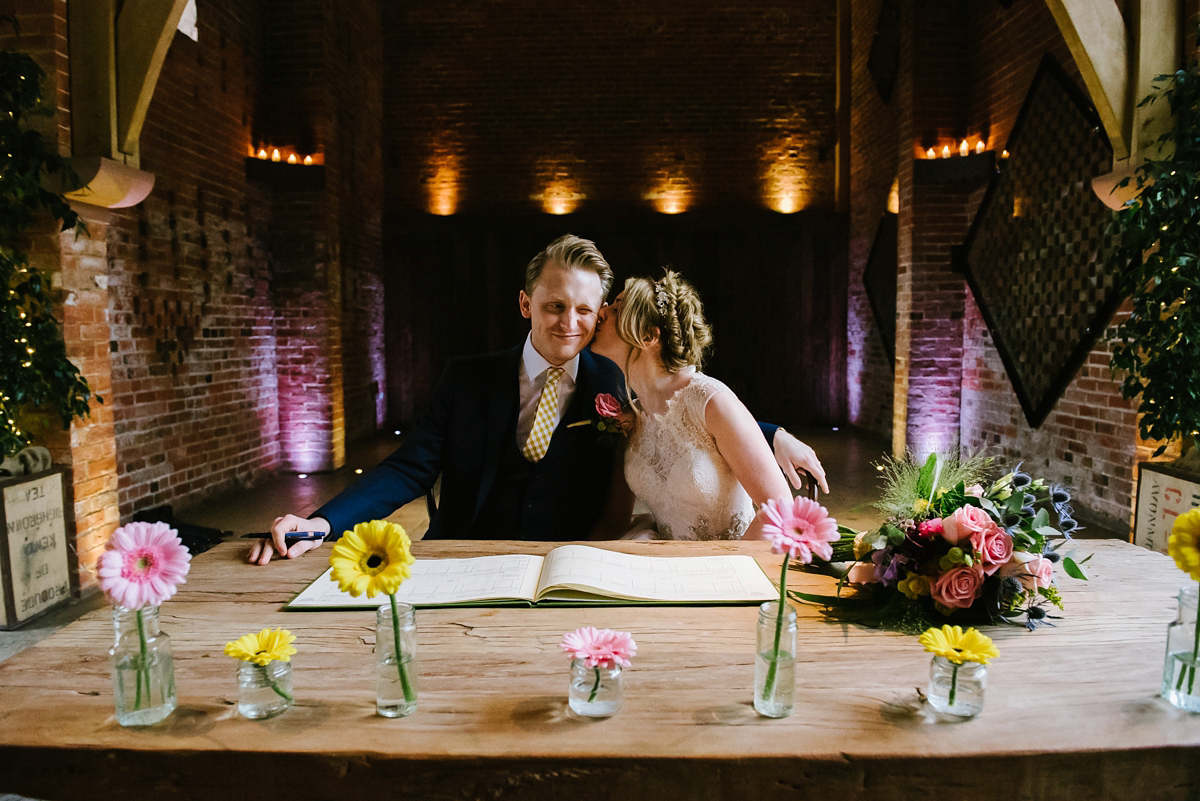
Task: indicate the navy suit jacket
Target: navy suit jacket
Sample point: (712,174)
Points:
(471,419)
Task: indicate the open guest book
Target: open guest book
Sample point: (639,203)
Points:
(569,574)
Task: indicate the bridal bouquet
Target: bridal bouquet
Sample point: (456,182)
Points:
(954,546)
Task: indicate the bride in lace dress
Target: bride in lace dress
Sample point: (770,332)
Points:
(696,457)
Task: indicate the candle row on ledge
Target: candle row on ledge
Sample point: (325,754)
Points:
(964,149)
(292,158)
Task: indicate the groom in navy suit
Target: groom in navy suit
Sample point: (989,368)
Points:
(500,428)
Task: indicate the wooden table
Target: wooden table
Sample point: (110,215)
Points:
(1071,712)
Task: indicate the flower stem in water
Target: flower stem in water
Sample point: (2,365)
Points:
(143,668)
(274,685)
(409,695)
(769,683)
(596,686)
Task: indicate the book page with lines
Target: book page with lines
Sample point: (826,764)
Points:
(682,579)
(439,581)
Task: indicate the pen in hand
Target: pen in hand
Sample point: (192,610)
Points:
(290,535)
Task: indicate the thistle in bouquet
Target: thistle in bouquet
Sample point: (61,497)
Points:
(375,558)
(613,421)
(142,567)
(955,545)
(799,529)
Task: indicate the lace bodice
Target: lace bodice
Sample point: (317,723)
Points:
(673,466)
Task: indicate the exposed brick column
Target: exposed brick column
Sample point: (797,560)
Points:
(932,89)
(306,239)
(77,268)
(91,446)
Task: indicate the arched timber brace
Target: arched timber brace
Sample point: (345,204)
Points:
(117,51)
(1119,57)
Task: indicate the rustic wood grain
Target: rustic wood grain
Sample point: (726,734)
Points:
(1071,712)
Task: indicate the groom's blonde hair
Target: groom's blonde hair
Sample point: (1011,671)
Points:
(672,306)
(573,252)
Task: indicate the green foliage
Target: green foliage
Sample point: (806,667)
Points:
(905,481)
(1157,261)
(34,369)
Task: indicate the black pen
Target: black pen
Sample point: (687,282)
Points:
(290,535)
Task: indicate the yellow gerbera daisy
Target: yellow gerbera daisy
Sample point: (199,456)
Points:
(373,558)
(1184,544)
(264,647)
(951,642)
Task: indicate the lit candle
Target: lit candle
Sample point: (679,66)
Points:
(308,161)
(275,154)
(945,151)
(292,159)
(1004,154)
(262,154)
(979,146)
(930,154)
(964,148)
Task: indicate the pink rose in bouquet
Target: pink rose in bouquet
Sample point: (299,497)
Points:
(862,573)
(1033,571)
(994,547)
(958,587)
(964,522)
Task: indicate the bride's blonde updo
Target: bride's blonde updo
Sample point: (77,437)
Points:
(671,305)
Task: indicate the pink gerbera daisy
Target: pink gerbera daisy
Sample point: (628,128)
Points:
(599,647)
(800,529)
(143,565)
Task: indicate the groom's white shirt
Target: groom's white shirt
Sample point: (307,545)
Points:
(532,379)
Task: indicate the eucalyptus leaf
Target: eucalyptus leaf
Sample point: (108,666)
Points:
(1073,569)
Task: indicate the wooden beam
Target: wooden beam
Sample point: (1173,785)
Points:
(93,79)
(144,31)
(1096,36)
(1159,52)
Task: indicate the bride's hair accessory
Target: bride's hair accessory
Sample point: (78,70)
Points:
(660,298)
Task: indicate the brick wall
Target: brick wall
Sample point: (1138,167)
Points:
(177,310)
(77,268)
(193,339)
(642,104)
(962,85)
(873,168)
(356,73)
(1089,441)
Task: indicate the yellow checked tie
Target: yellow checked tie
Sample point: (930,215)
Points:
(543,421)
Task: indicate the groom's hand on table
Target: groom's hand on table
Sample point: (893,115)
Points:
(262,550)
(793,455)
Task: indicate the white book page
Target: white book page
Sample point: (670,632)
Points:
(731,577)
(440,581)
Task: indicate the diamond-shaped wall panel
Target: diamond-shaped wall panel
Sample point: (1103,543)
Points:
(1037,250)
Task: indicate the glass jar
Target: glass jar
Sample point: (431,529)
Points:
(775,661)
(594,692)
(142,671)
(1181,682)
(264,691)
(956,690)
(396,682)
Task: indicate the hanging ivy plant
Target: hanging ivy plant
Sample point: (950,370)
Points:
(34,369)
(1157,349)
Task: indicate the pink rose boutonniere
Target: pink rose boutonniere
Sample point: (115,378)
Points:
(614,419)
